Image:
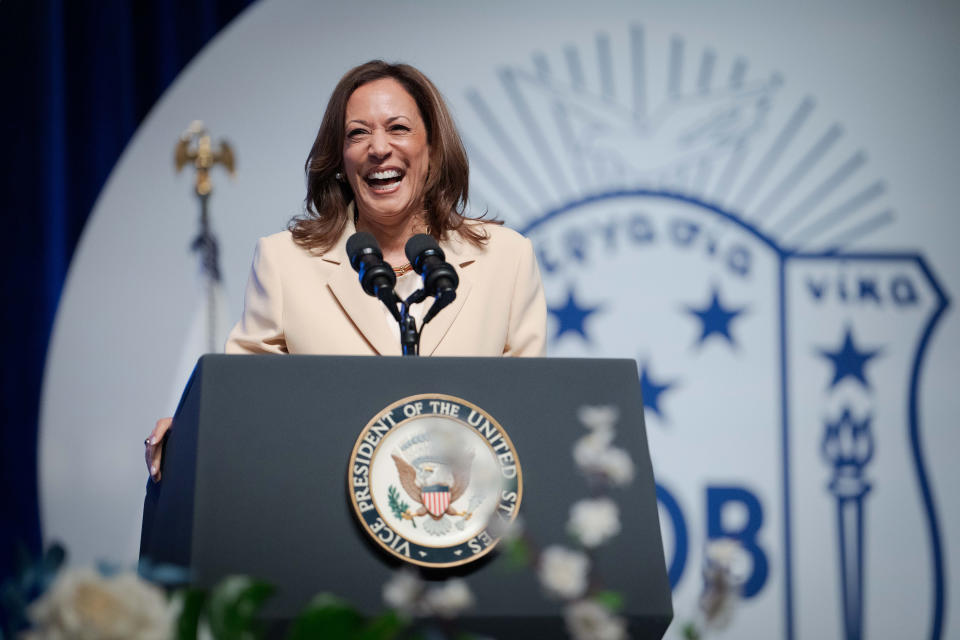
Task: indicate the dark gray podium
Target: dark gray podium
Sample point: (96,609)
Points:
(255,479)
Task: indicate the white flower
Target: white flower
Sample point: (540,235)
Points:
(84,605)
(598,418)
(588,451)
(729,556)
(617,466)
(449,599)
(402,591)
(506,530)
(594,456)
(594,521)
(725,568)
(563,573)
(590,620)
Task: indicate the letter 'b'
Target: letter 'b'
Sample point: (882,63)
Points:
(718,500)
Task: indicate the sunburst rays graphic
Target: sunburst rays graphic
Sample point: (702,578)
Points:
(587,120)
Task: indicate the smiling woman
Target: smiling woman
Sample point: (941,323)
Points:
(387,160)
(386,117)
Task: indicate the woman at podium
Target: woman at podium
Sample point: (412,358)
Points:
(387,160)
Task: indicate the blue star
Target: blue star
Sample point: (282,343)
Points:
(849,361)
(716,318)
(651,391)
(571,317)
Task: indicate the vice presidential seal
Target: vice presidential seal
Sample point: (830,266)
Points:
(435,480)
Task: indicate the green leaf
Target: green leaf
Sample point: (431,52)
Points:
(384,627)
(234,605)
(690,631)
(612,600)
(191,601)
(328,617)
(517,554)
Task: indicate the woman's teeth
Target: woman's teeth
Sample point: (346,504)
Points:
(383,175)
(384,179)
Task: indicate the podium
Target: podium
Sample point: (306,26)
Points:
(255,480)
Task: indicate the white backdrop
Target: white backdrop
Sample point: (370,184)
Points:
(752,199)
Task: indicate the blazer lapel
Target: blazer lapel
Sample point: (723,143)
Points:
(366,312)
(461,255)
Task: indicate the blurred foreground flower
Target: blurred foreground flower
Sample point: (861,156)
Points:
(410,596)
(402,591)
(589,450)
(598,418)
(506,530)
(590,620)
(724,572)
(594,453)
(81,604)
(594,521)
(563,573)
(448,599)
(617,466)
(725,568)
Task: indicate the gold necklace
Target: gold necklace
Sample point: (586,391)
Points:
(402,269)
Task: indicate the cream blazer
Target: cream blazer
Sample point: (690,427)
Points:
(304,302)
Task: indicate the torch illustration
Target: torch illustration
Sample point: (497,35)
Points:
(194,147)
(848,445)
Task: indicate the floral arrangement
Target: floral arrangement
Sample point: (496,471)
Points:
(45,602)
(565,573)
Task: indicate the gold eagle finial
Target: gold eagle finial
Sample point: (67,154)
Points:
(194,146)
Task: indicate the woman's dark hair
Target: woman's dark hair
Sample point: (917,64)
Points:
(445,192)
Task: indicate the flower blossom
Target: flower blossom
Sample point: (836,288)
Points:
(449,599)
(588,451)
(724,572)
(402,591)
(617,466)
(83,604)
(594,521)
(590,620)
(594,454)
(563,573)
(598,418)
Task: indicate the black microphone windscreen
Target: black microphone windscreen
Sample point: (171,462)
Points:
(419,243)
(360,243)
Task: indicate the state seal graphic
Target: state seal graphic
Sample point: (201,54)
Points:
(434,480)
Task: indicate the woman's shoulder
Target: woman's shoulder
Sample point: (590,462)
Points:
(497,235)
(279,241)
(282,243)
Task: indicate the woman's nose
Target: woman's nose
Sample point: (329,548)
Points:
(379,144)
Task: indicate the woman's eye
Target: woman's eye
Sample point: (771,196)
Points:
(353,133)
(399,127)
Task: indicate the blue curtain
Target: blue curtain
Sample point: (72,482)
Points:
(78,78)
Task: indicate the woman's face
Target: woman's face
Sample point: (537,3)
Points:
(386,156)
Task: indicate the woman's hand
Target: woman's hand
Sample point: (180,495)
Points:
(154,447)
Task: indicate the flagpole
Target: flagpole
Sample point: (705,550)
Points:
(194,147)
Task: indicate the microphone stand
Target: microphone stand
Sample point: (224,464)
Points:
(409,336)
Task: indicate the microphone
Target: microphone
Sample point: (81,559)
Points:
(376,276)
(440,279)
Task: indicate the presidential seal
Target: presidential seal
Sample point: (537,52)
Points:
(435,480)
